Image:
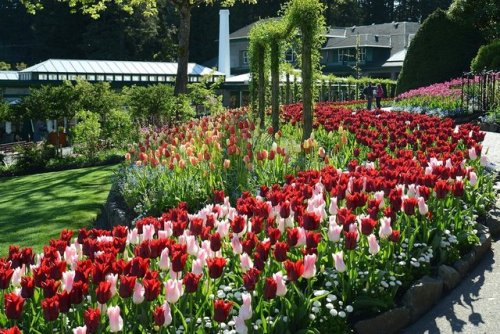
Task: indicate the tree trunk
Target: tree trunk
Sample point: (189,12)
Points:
(183,50)
(262,88)
(287,92)
(307,113)
(275,84)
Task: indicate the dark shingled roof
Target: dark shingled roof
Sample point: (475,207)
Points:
(245,31)
(365,40)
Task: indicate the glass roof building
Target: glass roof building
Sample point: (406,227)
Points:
(125,72)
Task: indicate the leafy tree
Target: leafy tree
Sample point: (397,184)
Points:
(481,14)
(119,130)
(95,8)
(488,57)
(442,48)
(4,66)
(154,104)
(87,133)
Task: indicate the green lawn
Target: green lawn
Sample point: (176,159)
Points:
(35,208)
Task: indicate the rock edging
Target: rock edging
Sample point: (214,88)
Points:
(427,291)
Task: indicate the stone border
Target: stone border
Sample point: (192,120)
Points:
(427,291)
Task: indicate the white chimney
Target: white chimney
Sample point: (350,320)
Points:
(224,54)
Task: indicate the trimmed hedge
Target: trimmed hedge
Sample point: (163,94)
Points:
(441,49)
(488,57)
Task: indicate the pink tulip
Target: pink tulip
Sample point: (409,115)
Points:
(173,290)
(113,279)
(80,330)
(338,258)
(379,196)
(422,207)
(472,153)
(246,262)
(246,308)
(333,206)
(67,280)
(115,320)
(240,325)
(197,267)
(473,178)
(192,245)
(148,232)
(227,163)
(236,245)
(385,227)
(309,266)
(133,236)
(281,287)
(168,314)
(138,296)
(302,237)
(484,160)
(16,276)
(168,228)
(373,245)
(334,231)
(164,263)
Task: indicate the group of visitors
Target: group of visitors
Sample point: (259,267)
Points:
(369,92)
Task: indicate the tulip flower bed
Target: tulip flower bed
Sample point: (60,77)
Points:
(227,152)
(310,253)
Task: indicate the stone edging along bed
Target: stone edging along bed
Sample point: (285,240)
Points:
(427,291)
(419,298)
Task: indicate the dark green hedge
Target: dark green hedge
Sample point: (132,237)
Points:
(441,49)
(488,57)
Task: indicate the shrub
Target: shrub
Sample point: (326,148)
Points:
(488,57)
(119,129)
(441,49)
(87,133)
(34,157)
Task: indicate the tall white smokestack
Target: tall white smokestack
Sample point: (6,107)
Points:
(224,54)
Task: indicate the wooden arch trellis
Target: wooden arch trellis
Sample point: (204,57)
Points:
(266,45)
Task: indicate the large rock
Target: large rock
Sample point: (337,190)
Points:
(450,276)
(389,322)
(462,267)
(493,221)
(422,295)
(485,242)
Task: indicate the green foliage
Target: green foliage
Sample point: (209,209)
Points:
(154,104)
(4,111)
(203,94)
(33,157)
(481,14)
(442,48)
(488,57)
(119,130)
(87,133)
(4,66)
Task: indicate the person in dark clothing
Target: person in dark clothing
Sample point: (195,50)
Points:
(368,93)
(379,95)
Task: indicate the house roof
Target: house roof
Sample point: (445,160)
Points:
(365,40)
(9,75)
(396,60)
(115,67)
(244,32)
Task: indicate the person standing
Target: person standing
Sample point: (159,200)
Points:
(379,95)
(368,93)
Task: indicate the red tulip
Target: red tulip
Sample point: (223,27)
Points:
(221,310)
(103,292)
(92,319)
(152,288)
(216,266)
(27,286)
(191,282)
(250,279)
(127,284)
(294,270)
(215,242)
(280,251)
(270,288)
(13,306)
(50,307)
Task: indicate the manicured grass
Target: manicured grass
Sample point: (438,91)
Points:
(35,208)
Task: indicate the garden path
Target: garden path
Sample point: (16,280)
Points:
(473,306)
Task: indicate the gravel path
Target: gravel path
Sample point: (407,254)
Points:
(473,307)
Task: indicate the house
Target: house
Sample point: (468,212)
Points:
(382,49)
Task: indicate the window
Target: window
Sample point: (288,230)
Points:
(42,77)
(72,77)
(152,78)
(244,58)
(362,54)
(118,78)
(109,78)
(91,77)
(144,78)
(52,76)
(161,78)
(126,78)
(135,78)
(100,77)
(289,56)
